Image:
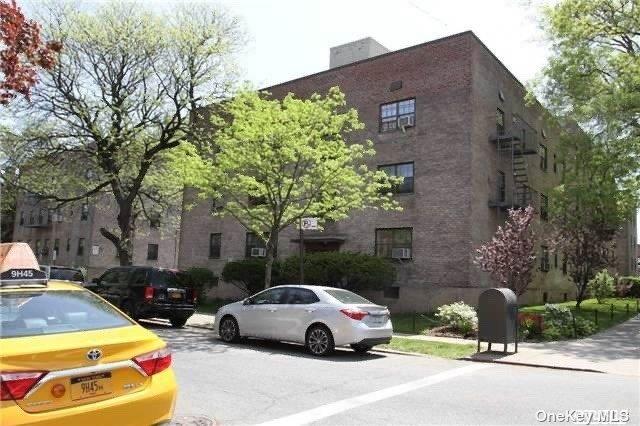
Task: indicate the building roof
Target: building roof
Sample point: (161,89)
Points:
(406,49)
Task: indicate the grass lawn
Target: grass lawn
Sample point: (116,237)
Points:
(439,349)
(589,306)
(211,306)
(413,323)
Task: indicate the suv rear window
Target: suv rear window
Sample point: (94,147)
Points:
(32,313)
(66,274)
(345,296)
(164,278)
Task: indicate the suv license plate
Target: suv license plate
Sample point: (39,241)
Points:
(90,386)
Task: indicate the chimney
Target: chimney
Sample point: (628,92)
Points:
(355,51)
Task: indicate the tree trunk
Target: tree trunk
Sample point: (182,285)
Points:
(272,248)
(123,242)
(581,290)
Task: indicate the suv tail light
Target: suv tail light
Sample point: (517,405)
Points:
(14,386)
(148,293)
(154,362)
(355,314)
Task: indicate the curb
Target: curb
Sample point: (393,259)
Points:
(202,326)
(526,364)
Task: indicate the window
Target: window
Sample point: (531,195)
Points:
(253,241)
(59,214)
(154,221)
(31,219)
(555,164)
(555,260)
(502,186)
(545,297)
(300,296)
(500,121)
(56,247)
(215,206)
(215,244)
(396,115)
(391,292)
(269,297)
(404,170)
(152,252)
(542,152)
(347,297)
(21,218)
(388,241)
(38,313)
(84,211)
(38,248)
(45,247)
(544,259)
(42,214)
(544,207)
(80,251)
(68,244)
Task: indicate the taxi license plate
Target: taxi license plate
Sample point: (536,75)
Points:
(90,386)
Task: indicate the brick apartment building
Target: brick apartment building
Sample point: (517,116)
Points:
(70,236)
(449,117)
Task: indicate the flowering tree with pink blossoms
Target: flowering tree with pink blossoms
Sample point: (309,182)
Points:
(509,256)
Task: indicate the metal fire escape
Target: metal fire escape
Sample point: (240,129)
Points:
(514,145)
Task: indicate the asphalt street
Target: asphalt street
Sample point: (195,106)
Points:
(273,383)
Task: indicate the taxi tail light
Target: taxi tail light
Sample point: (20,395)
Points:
(148,293)
(14,386)
(154,362)
(355,314)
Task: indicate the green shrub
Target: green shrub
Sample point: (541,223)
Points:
(560,318)
(559,322)
(630,286)
(248,274)
(602,286)
(459,316)
(201,278)
(354,271)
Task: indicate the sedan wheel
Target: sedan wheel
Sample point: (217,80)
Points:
(320,341)
(229,330)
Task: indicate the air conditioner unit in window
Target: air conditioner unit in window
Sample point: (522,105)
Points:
(406,121)
(401,253)
(258,252)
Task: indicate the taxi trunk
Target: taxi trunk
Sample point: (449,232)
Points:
(109,363)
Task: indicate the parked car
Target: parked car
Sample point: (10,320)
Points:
(63,273)
(67,357)
(320,317)
(147,292)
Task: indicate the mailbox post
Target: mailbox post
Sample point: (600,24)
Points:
(498,317)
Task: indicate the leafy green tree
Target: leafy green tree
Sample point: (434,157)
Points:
(589,207)
(277,161)
(594,71)
(105,121)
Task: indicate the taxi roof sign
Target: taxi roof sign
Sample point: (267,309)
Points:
(18,264)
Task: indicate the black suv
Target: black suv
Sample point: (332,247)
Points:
(147,292)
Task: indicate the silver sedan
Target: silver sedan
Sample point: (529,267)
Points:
(320,317)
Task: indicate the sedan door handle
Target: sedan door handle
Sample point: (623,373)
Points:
(273,310)
(310,310)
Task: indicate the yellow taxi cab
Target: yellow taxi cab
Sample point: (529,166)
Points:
(67,357)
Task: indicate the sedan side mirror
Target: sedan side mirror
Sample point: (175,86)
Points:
(247,301)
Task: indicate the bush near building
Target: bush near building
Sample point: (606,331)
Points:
(352,271)
(602,286)
(459,316)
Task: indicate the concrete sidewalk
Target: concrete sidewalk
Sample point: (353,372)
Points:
(615,351)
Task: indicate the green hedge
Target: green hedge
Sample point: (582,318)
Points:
(354,271)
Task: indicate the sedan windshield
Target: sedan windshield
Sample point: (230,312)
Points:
(50,312)
(347,297)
